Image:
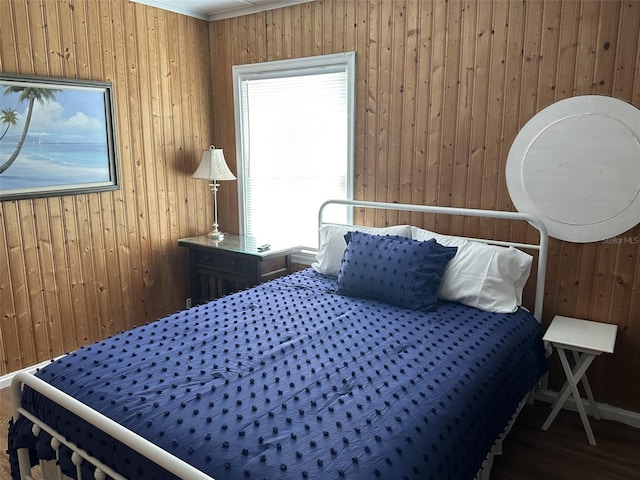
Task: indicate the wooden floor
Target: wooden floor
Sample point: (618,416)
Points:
(562,452)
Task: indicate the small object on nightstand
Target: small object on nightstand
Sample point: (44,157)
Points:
(586,340)
(264,247)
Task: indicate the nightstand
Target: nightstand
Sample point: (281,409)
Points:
(234,263)
(586,340)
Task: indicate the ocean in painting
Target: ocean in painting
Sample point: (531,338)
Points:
(51,164)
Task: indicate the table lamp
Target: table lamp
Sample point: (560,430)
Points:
(213,167)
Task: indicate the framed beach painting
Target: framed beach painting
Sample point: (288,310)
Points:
(56,137)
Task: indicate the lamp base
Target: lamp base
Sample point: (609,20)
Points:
(215,235)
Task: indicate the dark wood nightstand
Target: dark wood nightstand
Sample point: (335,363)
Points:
(234,263)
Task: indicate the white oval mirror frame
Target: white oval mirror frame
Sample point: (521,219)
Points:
(576,166)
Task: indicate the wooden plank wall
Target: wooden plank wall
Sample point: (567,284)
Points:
(442,90)
(75,269)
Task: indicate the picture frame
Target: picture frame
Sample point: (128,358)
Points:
(57,137)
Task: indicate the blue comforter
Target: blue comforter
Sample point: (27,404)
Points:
(289,380)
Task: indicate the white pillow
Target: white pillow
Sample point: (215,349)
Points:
(333,245)
(488,277)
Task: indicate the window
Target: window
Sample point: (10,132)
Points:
(294,144)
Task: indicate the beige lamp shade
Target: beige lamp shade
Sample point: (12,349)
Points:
(213,166)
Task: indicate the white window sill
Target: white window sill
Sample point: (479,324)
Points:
(304,257)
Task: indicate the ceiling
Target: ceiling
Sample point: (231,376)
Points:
(218,9)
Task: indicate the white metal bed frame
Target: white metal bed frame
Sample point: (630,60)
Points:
(50,469)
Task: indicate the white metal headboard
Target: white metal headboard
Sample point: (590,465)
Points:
(541,247)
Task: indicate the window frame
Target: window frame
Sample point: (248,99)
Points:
(288,68)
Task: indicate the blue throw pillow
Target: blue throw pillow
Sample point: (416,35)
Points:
(395,270)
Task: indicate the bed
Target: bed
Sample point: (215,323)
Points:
(388,358)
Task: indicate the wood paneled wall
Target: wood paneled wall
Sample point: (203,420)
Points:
(75,269)
(443,87)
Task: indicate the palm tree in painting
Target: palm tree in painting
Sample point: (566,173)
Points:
(9,117)
(32,95)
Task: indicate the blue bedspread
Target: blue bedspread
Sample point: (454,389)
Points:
(290,381)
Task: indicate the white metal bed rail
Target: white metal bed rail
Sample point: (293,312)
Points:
(139,444)
(542,246)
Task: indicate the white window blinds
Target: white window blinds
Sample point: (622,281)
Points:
(294,123)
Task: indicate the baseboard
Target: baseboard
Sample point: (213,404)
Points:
(5,380)
(607,412)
